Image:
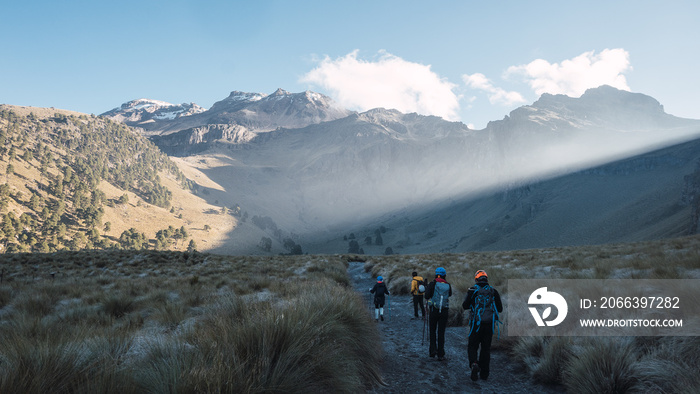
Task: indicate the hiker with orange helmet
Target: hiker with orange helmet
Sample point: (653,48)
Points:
(484,304)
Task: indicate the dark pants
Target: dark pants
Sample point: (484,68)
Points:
(379,302)
(481,338)
(418,301)
(438,322)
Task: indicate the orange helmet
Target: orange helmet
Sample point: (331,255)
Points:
(480,274)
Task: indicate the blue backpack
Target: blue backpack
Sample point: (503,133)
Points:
(441,296)
(483,309)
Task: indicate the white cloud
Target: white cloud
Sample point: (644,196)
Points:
(496,95)
(389,82)
(573,76)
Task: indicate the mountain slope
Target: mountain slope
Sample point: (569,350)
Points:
(647,197)
(73,181)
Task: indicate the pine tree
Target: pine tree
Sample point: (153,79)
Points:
(192,246)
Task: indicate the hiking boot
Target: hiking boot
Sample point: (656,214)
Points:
(475,372)
(484,377)
(441,358)
(382,317)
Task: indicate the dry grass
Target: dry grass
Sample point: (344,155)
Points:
(663,259)
(613,365)
(194,211)
(166,321)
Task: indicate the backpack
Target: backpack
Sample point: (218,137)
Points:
(423,282)
(483,308)
(441,296)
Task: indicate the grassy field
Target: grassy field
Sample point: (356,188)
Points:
(121,322)
(127,322)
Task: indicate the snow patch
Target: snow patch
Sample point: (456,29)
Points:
(168,115)
(140,104)
(245,97)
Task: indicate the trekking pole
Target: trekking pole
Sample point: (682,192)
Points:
(388,297)
(422,337)
(425,321)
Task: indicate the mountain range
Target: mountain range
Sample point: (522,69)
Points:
(608,166)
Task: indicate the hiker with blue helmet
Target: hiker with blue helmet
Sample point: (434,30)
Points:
(438,296)
(484,304)
(379,290)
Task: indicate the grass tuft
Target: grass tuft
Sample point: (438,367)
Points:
(604,366)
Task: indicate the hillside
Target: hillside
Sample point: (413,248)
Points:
(425,177)
(646,197)
(73,181)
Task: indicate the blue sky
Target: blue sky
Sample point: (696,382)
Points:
(472,61)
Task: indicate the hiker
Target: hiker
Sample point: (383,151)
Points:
(418,289)
(438,295)
(379,290)
(484,304)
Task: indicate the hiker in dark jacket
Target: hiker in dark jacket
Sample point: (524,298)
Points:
(438,295)
(484,304)
(416,284)
(379,290)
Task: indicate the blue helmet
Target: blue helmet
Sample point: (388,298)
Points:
(440,271)
(379,279)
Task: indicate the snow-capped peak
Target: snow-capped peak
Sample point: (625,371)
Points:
(245,97)
(136,111)
(142,103)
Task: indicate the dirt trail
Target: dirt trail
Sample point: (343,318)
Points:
(407,366)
